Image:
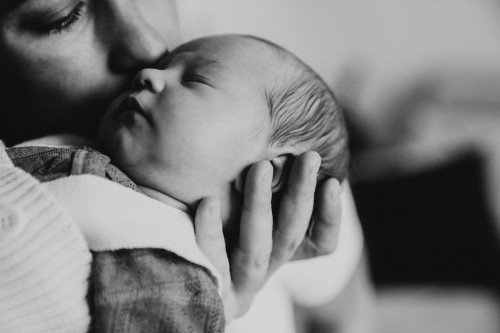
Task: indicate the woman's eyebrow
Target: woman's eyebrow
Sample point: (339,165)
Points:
(10,5)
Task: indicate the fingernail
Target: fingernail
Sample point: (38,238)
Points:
(267,177)
(335,189)
(313,171)
(213,209)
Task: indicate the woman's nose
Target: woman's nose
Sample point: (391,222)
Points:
(150,79)
(136,38)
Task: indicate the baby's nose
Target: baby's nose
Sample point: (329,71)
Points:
(149,78)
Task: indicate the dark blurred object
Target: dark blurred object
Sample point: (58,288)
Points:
(430,227)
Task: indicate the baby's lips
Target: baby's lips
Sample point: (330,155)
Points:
(129,103)
(132,103)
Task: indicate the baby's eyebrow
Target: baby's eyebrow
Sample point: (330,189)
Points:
(204,62)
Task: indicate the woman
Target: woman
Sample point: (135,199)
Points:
(62,61)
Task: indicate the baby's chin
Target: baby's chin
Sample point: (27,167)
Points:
(166,199)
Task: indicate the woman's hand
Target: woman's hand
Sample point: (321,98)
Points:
(261,250)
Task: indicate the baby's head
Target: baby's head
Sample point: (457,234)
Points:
(191,128)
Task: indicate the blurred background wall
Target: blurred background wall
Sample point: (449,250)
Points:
(391,63)
(420,83)
(388,39)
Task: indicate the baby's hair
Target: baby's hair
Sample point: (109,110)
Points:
(306,115)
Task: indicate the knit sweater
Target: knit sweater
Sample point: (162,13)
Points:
(46,293)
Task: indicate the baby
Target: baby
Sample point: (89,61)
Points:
(192,127)
(186,130)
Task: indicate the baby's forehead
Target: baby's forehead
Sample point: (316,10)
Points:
(243,49)
(244,57)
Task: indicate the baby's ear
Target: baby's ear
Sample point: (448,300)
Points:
(281,168)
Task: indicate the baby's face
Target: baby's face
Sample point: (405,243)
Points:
(190,128)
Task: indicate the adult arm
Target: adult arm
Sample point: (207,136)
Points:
(262,249)
(334,293)
(44,259)
(351,311)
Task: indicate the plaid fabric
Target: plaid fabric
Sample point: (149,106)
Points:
(132,290)
(49,163)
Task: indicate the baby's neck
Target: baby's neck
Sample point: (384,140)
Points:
(166,199)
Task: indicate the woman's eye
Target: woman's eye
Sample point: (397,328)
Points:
(59,25)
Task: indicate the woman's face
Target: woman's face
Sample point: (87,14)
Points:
(63,61)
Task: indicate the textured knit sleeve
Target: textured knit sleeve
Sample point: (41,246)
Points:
(44,260)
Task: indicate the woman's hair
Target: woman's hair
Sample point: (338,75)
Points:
(306,115)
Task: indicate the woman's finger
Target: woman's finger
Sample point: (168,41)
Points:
(250,258)
(325,231)
(210,238)
(295,209)
(323,235)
